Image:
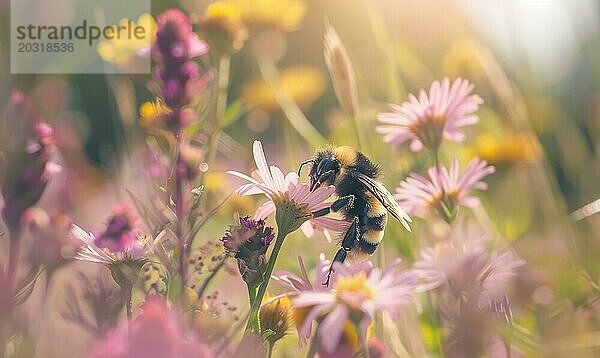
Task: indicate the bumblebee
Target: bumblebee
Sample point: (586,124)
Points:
(361,199)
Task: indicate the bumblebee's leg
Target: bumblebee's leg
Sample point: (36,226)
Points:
(303,164)
(343,202)
(350,238)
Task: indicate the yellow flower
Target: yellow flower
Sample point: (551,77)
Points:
(123,52)
(512,148)
(152,111)
(223,28)
(462,60)
(286,15)
(303,84)
(350,338)
(275,318)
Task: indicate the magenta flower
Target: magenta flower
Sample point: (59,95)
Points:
(175,47)
(27,145)
(175,38)
(279,187)
(121,231)
(357,294)
(248,243)
(155,332)
(426,120)
(445,190)
(122,240)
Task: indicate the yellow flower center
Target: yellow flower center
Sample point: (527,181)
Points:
(430,130)
(355,285)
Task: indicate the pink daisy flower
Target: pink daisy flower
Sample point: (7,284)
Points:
(426,120)
(298,284)
(445,190)
(467,266)
(358,291)
(451,263)
(279,187)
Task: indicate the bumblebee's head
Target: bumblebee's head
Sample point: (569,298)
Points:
(324,170)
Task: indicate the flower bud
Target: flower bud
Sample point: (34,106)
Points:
(341,72)
(155,279)
(52,246)
(27,144)
(275,319)
(248,242)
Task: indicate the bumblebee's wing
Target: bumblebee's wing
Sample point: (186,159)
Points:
(386,198)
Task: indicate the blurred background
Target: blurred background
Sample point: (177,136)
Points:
(534,62)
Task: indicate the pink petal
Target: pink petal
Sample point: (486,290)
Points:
(332,327)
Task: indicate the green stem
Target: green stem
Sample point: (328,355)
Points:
(129,308)
(436,159)
(437,323)
(180,213)
(253,324)
(362,340)
(127,289)
(251,294)
(270,350)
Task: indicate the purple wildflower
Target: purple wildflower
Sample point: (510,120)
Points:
(27,143)
(121,231)
(248,243)
(121,241)
(176,45)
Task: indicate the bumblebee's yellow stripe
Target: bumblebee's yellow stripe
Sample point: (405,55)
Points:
(356,255)
(373,236)
(346,155)
(376,208)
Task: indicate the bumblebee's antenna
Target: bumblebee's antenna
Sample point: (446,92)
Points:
(303,164)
